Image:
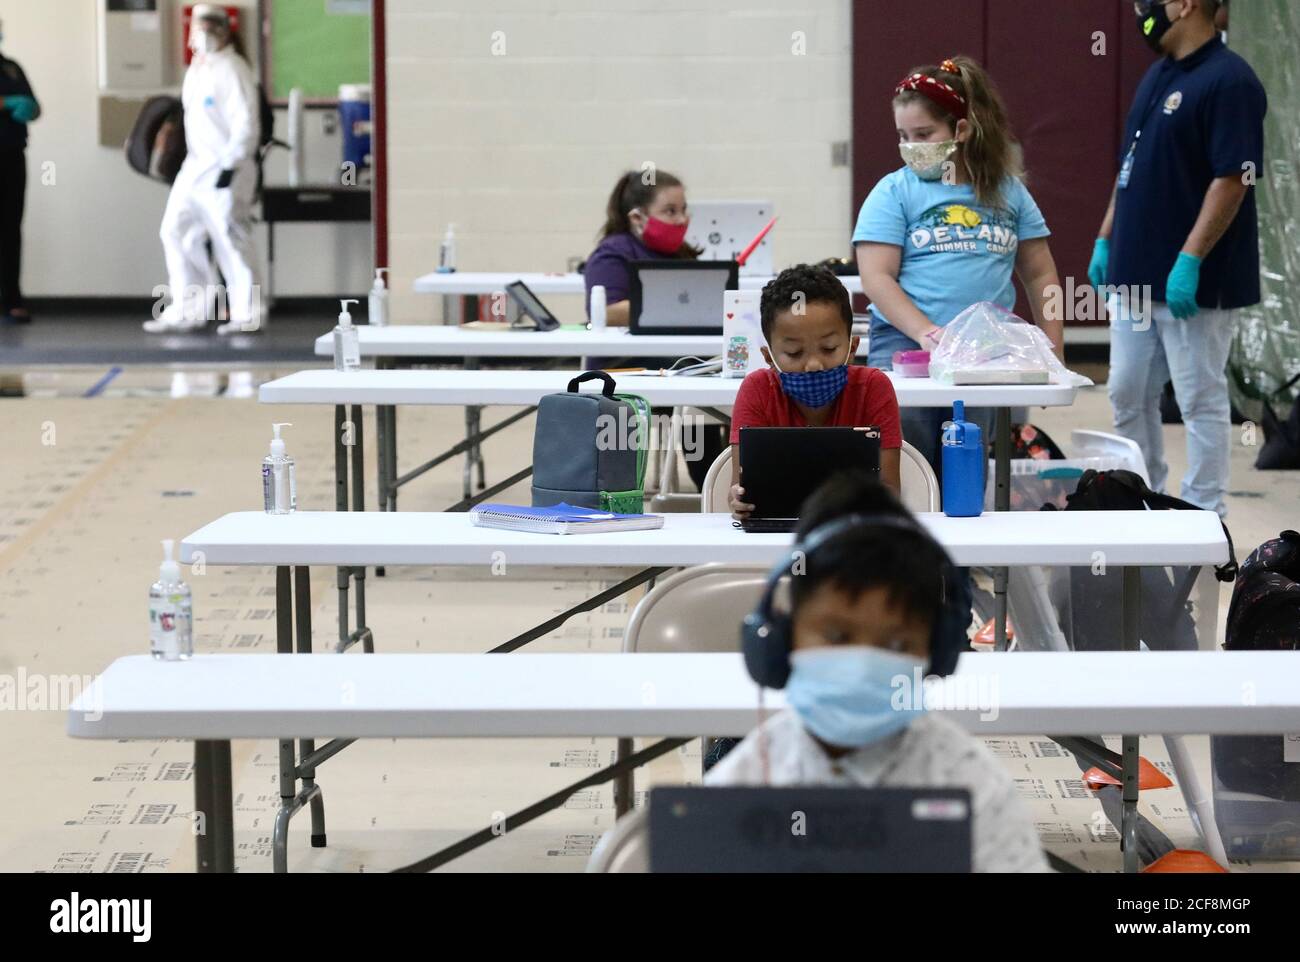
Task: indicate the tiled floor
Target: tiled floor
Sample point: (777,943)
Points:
(88,488)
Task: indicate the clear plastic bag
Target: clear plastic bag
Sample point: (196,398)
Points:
(987,344)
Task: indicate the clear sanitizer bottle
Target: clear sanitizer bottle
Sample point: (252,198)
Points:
(347,349)
(279,490)
(171,635)
(378,306)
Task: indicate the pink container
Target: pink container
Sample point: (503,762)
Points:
(912,363)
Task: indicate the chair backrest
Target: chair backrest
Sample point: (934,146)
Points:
(920,487)
(625,847)
(697,609)
(1089,444)
(715,492)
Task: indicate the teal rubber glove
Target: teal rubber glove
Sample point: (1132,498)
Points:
(1100,260)
(22,107)
(1180,288)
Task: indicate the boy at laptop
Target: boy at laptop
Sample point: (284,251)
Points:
(862,627)
(810,380)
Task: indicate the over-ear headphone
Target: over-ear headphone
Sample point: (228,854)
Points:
(766,636)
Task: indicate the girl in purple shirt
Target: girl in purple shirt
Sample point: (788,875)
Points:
(646,219)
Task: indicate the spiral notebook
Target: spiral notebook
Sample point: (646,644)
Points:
(561,519)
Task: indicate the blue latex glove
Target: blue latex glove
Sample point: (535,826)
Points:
(22,107)
(1100,260)
(1180,288)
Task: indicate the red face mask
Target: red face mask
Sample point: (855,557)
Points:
(663,237)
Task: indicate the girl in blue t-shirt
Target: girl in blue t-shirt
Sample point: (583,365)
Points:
(950,227)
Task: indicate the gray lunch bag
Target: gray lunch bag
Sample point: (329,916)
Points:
(589,450)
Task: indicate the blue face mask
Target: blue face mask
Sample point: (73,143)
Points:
(855,695)
(814,389)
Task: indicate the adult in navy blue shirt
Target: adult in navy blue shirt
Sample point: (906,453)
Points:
(1178,248)
(18,108)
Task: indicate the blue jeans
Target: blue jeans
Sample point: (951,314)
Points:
(1193,354)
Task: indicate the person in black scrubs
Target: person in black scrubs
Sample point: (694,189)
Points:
(18,108)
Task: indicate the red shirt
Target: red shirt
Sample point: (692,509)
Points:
(868,400)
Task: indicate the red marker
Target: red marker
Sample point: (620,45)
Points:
(744,255)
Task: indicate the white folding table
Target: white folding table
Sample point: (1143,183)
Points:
(353,541)
(213,699)
(490,282)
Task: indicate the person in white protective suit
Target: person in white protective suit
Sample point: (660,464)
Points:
(212,196)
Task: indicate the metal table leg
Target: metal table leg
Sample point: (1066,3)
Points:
(288,779)
(1131,606)
(214,844)
(302,613)
(1001,502)
(381,448)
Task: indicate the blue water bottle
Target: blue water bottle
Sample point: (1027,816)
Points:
(963,466)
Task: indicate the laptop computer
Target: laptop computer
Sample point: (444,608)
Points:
(679,297)
(744,829)
(781,467)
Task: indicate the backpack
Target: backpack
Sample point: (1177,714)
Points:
(1264,616)
(589,450)
(156,145)
(1095,610)
(1281,448)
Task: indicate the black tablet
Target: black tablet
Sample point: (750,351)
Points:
(532,307)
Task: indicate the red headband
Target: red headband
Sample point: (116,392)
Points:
(936,91)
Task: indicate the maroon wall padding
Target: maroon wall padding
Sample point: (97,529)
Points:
(1067,106)
(379,131)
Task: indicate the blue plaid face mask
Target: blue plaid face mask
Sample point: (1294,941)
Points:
(814,389)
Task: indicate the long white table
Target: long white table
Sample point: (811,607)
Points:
(213,699)
(489,282)
(450,340)
(451,538)
(387,389)
(502,387)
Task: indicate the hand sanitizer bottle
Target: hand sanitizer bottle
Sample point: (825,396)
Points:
(447,251)
(596,309)
(279,490)
(347,349)
(378,306)
(171,636)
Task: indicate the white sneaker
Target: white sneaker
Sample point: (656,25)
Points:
(242,327)
(173,323)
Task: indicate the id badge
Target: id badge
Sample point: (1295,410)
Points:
(1126,168)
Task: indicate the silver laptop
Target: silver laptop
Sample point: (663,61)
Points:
(679,297)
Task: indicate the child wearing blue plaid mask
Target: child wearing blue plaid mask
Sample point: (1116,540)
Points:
(811,380)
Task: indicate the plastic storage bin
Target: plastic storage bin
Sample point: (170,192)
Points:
(1035,483)
(912,363)
(1253,825)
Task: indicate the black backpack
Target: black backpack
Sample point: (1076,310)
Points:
(1281,450)
(1264,616)
(156,145)
(1096,613)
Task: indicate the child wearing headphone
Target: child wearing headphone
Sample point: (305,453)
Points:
(875,602)
(810,380)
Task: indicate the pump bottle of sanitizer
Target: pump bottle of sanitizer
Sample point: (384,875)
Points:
(378,306)
(347,348)
(279,490)
(171,636)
